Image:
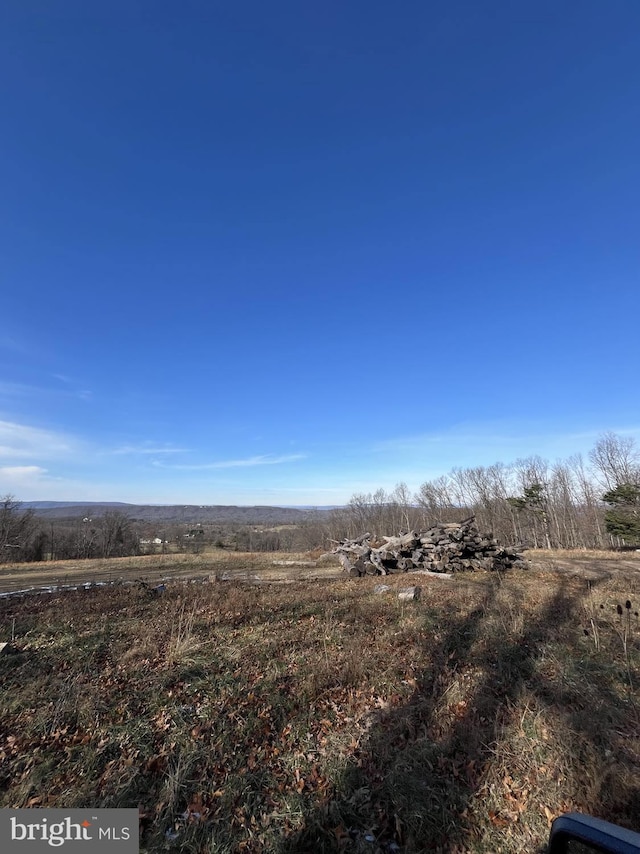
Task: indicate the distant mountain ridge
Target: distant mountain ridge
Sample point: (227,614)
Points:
(46,505)
(257,515)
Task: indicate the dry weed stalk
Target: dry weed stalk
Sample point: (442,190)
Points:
(622,628)
(183,643)
(624,631)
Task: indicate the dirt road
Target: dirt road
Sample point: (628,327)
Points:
(154,569)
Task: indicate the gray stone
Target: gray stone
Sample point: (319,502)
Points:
(381,588)
(410,594)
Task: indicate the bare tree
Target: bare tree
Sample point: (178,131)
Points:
(403,505)
(589,509)
(463,492)
(563,499)
(434,500)
(117,537)
(616,460)
(17,529)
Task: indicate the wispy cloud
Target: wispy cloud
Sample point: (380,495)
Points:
(21,472)
(75,387)
(248,462)
(16,389)
(20,479)
(485,442)
(21,442)
(499,433)
(148,449)
(12,389)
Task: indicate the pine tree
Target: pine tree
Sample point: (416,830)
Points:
(623,519)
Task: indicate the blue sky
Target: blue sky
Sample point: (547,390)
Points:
(283,252)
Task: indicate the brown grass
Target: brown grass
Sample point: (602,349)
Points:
(156,568)
(583,554)
(319,716)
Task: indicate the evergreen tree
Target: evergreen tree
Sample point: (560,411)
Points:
(535,500)
(623,519)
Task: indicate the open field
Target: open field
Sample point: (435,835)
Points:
(267,566)
(320,716)
(590,565)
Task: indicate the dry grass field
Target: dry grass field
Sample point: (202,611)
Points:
(319,716)
(154,569)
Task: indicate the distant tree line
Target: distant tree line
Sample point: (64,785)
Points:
(569,504)
(25,537)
